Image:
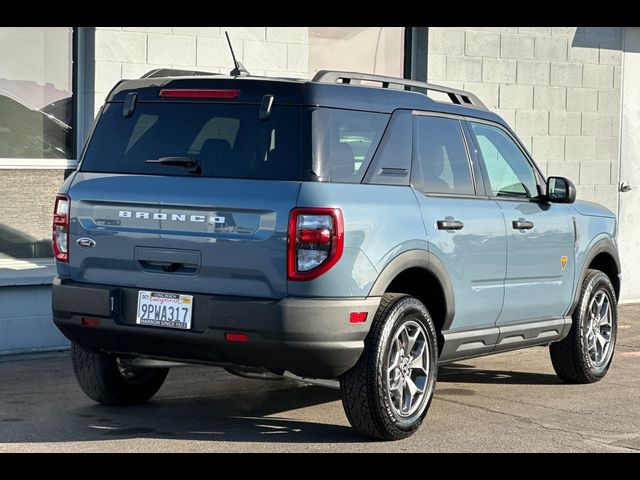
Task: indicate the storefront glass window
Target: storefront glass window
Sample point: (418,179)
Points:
(36,138)
(376,50)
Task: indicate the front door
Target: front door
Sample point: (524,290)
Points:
(466,232)
(540,235)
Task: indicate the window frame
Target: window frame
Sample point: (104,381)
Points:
(58,163)
(477,181)
(539,177)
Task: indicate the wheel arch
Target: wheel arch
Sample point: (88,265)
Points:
(423,275)
(603,256)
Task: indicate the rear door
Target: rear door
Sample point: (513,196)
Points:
(466,232)
(217,229)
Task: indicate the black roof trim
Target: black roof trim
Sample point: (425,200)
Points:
(172,72)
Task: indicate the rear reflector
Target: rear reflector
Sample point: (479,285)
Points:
(90,322)
(236,337)
(198,93)
(358,317)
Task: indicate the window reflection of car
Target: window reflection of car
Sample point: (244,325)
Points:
(28,132)
(61,110)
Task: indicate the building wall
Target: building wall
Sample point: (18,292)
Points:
(25,320)
(558,87)
(114,53)
(25,229)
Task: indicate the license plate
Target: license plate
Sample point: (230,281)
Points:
(161,309)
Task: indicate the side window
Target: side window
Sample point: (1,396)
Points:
(441,164)
(344,142)
(510,173)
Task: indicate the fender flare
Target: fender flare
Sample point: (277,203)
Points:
(425,261)
(604,245)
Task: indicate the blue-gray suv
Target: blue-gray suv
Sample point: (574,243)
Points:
(350,227)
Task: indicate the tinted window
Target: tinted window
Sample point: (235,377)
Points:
(441,163)
(510,173)
(228,140)
(344,142)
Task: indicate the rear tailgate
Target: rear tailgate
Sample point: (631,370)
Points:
(215,226)
(207,235)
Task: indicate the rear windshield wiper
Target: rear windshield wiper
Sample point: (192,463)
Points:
(189,163)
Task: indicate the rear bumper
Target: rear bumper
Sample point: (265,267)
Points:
(307,336)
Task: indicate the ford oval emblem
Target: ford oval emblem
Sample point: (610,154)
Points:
(86,242)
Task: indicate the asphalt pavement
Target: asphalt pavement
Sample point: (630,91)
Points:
(511,402)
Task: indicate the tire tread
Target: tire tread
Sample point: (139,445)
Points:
(360,399)
(566,355)
(98,376)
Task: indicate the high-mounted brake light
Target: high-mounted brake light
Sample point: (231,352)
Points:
(60,238)
(198,93)
(315,241)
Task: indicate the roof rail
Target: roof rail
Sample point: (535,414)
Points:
(459,97)
(171,72)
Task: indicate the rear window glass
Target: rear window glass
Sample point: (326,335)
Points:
(228,141)
(344,142)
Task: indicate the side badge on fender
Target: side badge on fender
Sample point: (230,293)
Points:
(85,242)
(563,261)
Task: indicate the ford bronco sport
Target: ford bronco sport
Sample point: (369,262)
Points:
(351,227)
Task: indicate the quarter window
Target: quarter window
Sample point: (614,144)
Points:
(441,164)
(344,142)
(510,173)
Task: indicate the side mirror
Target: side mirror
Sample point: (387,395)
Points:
(560,190)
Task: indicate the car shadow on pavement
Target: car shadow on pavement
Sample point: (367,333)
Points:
(251,416)
(197,404)
(465,373)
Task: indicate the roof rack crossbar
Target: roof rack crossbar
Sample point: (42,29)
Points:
(459,97)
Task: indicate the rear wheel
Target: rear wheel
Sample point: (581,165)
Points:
(388,392)
(110,380)
(584,356)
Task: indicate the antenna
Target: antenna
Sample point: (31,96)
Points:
(238,69)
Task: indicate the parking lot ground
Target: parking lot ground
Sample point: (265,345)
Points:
(502,403)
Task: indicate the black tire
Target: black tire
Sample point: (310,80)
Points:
(102,379)
(366,392)
(571,357)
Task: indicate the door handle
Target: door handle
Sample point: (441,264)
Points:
(450,225)
(624,187)
(522,224)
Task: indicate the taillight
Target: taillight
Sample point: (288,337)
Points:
(315,243)
(60,238)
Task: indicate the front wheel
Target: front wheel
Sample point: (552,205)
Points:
(386,395)
(585,354)
(111,381)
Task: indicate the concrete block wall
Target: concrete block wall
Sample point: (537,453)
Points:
(558,87)
(113,53)
(25,320)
